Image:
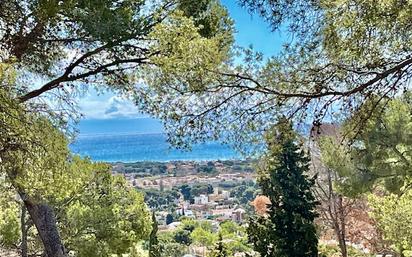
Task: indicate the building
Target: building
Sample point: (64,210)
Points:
(238,215)
(201,199)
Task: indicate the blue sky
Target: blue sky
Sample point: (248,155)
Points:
(251,30)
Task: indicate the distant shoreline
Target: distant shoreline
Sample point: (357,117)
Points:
(179,168)
(178,161)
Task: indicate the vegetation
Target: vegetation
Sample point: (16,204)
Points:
(392,213)
(347,60)
(100,217)
(153,241)
(147,169)
(202,234)
(59,44)
(381,153)
(342,54)
(329,250)
(220,249)
(156,199)
(288,227)
(141,168)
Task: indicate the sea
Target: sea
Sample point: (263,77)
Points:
(142,139)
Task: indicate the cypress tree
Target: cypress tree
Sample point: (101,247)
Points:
(287,229)
(153,241)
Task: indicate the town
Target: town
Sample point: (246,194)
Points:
(222,191)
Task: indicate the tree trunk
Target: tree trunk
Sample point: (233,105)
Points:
(339,223)
(23,232)
(342,246)
(44,219)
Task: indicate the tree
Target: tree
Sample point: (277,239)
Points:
(35,161)
(381,153)
(9,217)
(186,191)
(59,43)
(220,249)
(236,237)
(108,217)
(378,160)
(153,241)
(392,213)
(102,216)
(344,54)
(169,218)
(182,236)
(334,208)
(203,237)
(288,228)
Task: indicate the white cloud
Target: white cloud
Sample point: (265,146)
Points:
(108,106)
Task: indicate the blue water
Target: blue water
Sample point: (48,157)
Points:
(138,140)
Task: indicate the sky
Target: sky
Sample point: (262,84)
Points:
(251,30)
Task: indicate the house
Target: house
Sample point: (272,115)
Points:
(201,199)
(238,215)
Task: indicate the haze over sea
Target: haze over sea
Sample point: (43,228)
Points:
(142,139)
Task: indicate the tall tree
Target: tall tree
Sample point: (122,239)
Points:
(153,241)
(334,208)
(57,50)
(288,227)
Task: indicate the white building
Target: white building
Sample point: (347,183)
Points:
(201,199)
(225,194)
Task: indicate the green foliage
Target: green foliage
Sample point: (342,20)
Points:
(9,226)
(347,52)
(57,44)
(120,30)
(142,168)
(199,189)
(235,236)
(107,217)
(98,215)
(173,250)
(153,241)
(169,218)
(220,249)
(244,194)
(380,154)
(203,237)
(201,233)
(9,216)
(288,229)
(183,236)
(186,191)
(210,17)
(393,215)
(160,199)
(188,56)
(137,251)
(169,247)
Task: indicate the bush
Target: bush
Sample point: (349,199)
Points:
(333,251)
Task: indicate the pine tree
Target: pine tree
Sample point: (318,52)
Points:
(153,241)
(287,229)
